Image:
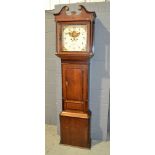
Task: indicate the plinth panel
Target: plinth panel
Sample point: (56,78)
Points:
(75,129)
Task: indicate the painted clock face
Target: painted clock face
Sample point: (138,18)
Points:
(74,38)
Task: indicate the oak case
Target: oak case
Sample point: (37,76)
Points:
(75,116)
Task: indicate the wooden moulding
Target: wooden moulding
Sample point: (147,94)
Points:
(74,56)
(84,15)
(74,114)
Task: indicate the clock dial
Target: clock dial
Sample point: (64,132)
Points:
(74,38)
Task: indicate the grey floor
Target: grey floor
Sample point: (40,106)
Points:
(53,147)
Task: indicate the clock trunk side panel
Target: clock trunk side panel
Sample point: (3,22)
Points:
(75,83)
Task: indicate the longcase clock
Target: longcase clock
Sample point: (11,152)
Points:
(74,45)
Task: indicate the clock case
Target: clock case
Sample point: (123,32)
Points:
(75,115)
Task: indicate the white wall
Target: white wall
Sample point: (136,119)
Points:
(50,3)
(50,70)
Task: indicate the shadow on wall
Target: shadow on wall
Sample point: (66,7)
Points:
(99,82)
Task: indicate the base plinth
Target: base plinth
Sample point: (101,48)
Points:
(75,129)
